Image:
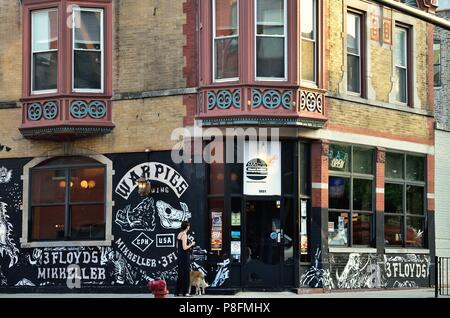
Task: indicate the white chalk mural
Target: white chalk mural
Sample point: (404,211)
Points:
(316,277)
(141,218)
(5,175)
(7,245)
(170,217)
(222,273)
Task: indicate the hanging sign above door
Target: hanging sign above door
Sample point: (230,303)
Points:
(262,168)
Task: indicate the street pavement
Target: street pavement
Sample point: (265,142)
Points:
(411,293)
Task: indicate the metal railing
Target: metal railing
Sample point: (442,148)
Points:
(442,274)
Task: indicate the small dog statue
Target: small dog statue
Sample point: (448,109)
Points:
(197,280)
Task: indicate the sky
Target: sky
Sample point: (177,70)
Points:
(444,4)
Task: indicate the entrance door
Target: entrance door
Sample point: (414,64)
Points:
(263,247)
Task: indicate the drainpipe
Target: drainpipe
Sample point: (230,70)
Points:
(417,13)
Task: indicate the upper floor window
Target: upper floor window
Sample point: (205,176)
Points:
(44,46)
(354,53)
(308,24)
(226,40)
(271,42)
(437,63)
(401,60)
(67,200)
(87,50)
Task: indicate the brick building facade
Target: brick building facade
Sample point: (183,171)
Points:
(91,91)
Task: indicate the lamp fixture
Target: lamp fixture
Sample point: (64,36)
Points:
(144,185)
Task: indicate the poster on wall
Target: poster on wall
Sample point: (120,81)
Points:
(262,168)
(216,231)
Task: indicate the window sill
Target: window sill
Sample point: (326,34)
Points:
(67,244)
(366,250)
(407,251)
(393,106)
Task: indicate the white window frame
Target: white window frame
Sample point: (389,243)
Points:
(405,52)
(361,20)
(314,40)
(46,91)
(437,45)
(102,51)
(285,36)
(214,38)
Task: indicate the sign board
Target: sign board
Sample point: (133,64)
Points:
(262,168)
(216,231)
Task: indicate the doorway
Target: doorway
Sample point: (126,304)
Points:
(263,244)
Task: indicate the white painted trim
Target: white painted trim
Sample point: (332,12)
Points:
(380,190)
(399,145)
(431,196)
(321,186)
(67,244)
(364,250)
(406,251)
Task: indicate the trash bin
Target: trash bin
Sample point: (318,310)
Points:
(158,288)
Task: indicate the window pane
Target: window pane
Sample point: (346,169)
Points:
(48,186)
(393,230)
(362,195)
(289,160)
(362,160)
(48,223)
(415,200)
(87,69)
(305,169)
(270,57)
(88,222)
(308,63)
(45,30)
(400,47)
(415,228)
(393,198)
(361,229)
(339,158)
(394,165)
(270,17)
(289,232)
(401,94)
(415,168)
(307,19)
(45,71)
(437,53)
(437,75)
(87,30)
(216,178)
(227,58)
(226,17)
(338,229)
(339,192)
(88,185)
(236,171)
(353,74)
(353,33)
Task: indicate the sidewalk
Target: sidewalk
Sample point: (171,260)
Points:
(414,293)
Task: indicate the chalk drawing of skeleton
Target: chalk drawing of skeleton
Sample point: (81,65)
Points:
(170,217)
(121,269)
(141,218)
(360,273)
(223,273)
(316,277)
(7,245)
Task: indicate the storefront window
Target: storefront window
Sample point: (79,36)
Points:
(351,193)
(405,200)
(68,200)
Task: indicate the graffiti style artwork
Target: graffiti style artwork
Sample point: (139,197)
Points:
(5,175)
(360,272)
(141,218)
(24,282)
(223,273)
(170,217)
(316,277)
(7,245)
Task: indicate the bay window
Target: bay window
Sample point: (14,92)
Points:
(405,200)
(308,21)
(87,49)
(226,39)
(271,43)
(401,64)
(44,46)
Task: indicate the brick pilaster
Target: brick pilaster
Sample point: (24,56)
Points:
(379,201)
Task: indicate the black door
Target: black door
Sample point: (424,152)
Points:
(263,249)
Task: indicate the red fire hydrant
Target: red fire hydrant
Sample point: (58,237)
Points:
(158,288)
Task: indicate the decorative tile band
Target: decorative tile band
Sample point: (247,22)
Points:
(311,102)
(80,109)
(36,111)
(272,99)
(224,99)
(50,110)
